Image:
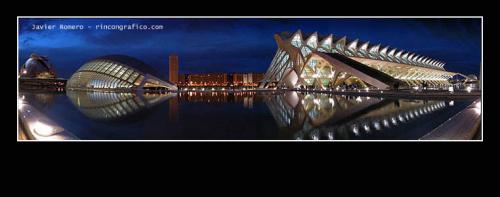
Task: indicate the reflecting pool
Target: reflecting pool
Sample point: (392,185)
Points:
(245,115)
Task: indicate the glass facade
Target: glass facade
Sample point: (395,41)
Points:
(104,74)
(113,72)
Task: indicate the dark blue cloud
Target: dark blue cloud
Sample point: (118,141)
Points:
(232,45)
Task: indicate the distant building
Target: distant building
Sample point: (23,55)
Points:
(247,79)
(220,79)
(207,79)
(182,79)
(173,68)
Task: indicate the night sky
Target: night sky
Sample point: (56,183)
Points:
(242,45)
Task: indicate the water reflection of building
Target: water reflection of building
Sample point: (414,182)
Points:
(173,109)
(248,98)
(39,100)
(322,116)
(112,105)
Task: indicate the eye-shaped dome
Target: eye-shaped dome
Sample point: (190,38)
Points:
(116,72)
(37,67)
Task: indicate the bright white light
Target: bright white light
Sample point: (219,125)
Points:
(415,88)
(223,88)
(358,99)
(316,101)
(203,89)
(330,135)
(450,89)
(213,88)
(469,89)
(477,107)
(393,120)
(43,129)
(386,123)
(20,103)
(451,103)
(366,89)
(355,130)
(366,127)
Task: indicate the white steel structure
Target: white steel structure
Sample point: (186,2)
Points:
(328,62)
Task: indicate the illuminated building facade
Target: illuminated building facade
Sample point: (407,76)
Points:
(326,62)
(173,68)
(116,72)
(247,79)
(37,73)
(207,79)
(37,67)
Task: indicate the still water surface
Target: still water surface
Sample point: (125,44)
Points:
(284,115)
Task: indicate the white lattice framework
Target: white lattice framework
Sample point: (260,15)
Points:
(297,63)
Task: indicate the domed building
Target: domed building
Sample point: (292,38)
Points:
(38,67)
(116,72)
(37,73)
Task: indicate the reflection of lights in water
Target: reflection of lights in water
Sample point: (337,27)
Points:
(400,118)
(393,120)
(330,135)
(411,115)
(315,136)
(386,123)
(376,124)
(367,98)
(451,103)
(358,99)
(366,127)
(43,129)
(355,130)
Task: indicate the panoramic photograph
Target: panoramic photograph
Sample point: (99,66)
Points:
(299,79)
